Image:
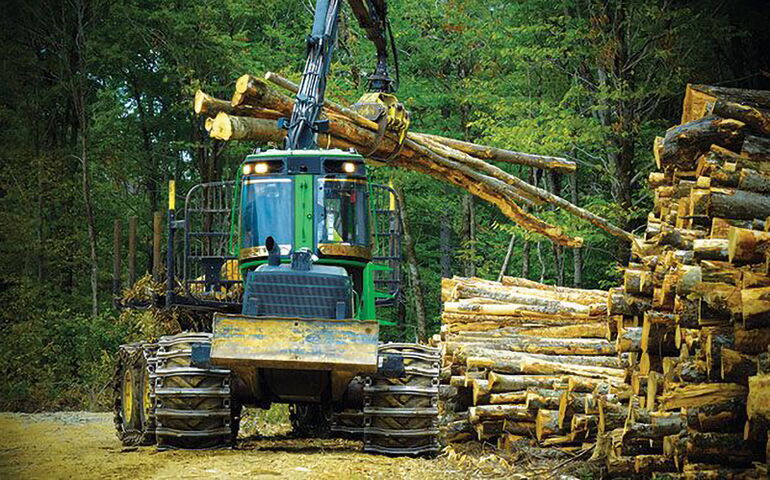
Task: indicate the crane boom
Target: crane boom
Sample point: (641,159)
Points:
(304,123)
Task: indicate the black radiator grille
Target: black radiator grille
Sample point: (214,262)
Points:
(290,293)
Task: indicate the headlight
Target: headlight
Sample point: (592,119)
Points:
(260,168)
(246,168)
(349,167)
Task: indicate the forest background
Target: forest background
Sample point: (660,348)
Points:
(96,116)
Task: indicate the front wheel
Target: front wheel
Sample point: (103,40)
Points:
(133,404)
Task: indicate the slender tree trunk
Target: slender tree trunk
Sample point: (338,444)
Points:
(577,253)
(468,234)
(413,272)
(445,244)
(79,94)
(507,258)
(525,259)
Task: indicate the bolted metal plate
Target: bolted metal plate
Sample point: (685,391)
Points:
(295,343)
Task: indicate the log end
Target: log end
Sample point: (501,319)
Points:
(221,128)
(199,104)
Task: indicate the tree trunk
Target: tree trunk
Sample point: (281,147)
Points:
(467,233)
(418,301)
(507,259)
(445,243)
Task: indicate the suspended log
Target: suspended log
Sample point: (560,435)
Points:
(557,164)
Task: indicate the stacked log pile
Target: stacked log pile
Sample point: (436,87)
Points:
(528,361)
(694,307)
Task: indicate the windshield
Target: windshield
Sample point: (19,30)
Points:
(267,209)
(342,215)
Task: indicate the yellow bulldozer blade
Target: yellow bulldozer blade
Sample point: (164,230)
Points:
(295,343)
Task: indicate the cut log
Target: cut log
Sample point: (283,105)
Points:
(622,303)
(649,464)
(547,424)
(752,342)
(721,448)
(500,412)
(711,249)
(684,143)
(629,340)
(747,246)
(756,149)
(758,402)
(539,398)
(519,397)
(700,394)
(499,382)
(756,307)
(737,367)
(557,164)
(728,416)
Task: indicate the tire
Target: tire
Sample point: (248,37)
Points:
(133,405)
(193,406)
(401,414)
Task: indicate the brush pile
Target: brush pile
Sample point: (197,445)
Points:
(255,108)
(695,301)
(528,362)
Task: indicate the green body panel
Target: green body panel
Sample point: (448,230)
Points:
(303,212)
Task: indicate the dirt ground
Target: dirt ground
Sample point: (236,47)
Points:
(83,445)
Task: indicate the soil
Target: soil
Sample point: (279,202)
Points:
(83,445)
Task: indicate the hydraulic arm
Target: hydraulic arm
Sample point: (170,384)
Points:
(372,16)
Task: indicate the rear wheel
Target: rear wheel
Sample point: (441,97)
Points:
(401,414)
(194,408)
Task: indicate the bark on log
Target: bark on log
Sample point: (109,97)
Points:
(758,402)
(728,416)
(622,303)
(721,448)
(527,364)
(711,249)
(500,412)
(684,143)
(499,382)
(547,424)
(541,398)
(518,397)
(649,464)
(756,149)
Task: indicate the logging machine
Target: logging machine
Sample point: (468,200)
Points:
(290,261)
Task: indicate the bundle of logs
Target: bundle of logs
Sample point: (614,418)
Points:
(526,362)
(694,309)
(255,108)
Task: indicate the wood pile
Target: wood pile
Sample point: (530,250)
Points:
(694,308)
(256,106)
(527,362)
